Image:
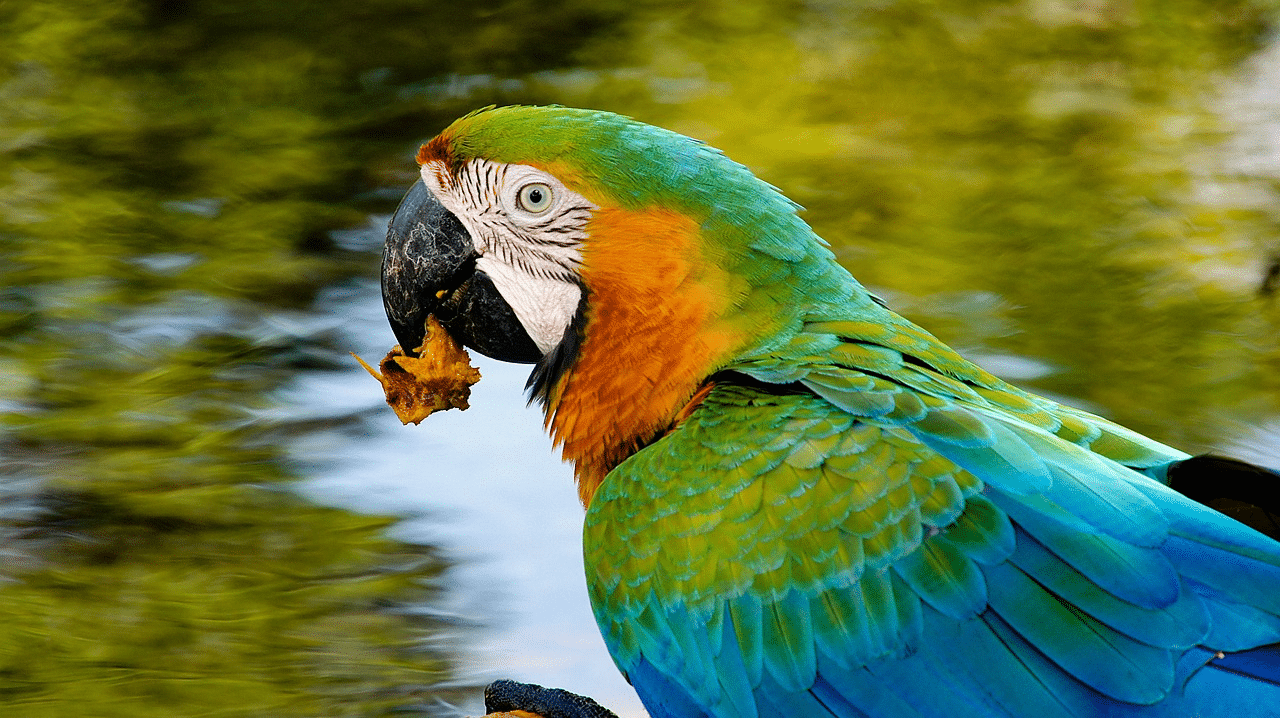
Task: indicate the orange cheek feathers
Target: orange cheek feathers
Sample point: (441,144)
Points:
(655,331)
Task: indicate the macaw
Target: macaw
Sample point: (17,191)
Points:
(799,503)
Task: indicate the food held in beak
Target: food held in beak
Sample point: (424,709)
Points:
(439,378)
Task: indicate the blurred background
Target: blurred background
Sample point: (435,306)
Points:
(205,508)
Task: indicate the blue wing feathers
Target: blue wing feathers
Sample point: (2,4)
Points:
(1110,504)
(839,702)
(867,694)
(1230,574)
(1181,624)
(745,612)
(1044,689)
(1235,626)
(1143,576)
(787,629)
(846,632)
(731,673)
(661,695)
(1105,660)
(1206,526)
(944,578)
(983,668)
(982,531)
(1039,578)
(1262,664)
(1216,693)
(880,611)
(774,701)
(910,618)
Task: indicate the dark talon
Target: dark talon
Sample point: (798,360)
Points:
(503,696)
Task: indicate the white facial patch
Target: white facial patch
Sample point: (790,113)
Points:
(528,229)
(544,306)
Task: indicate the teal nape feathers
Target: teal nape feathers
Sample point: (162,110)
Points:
(799,503)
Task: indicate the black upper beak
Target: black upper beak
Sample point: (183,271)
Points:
(429,267)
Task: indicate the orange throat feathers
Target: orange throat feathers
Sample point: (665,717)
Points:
(656,329)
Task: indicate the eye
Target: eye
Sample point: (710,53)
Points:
(534,197)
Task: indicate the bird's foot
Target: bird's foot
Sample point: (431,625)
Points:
(508,699)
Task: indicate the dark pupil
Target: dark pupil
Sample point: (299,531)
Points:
(535,196)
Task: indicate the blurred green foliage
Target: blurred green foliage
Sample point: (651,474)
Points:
(170,173)
(1045,180)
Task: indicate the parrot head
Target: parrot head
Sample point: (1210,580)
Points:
(628,263)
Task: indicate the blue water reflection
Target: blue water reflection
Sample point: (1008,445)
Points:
(486,487)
